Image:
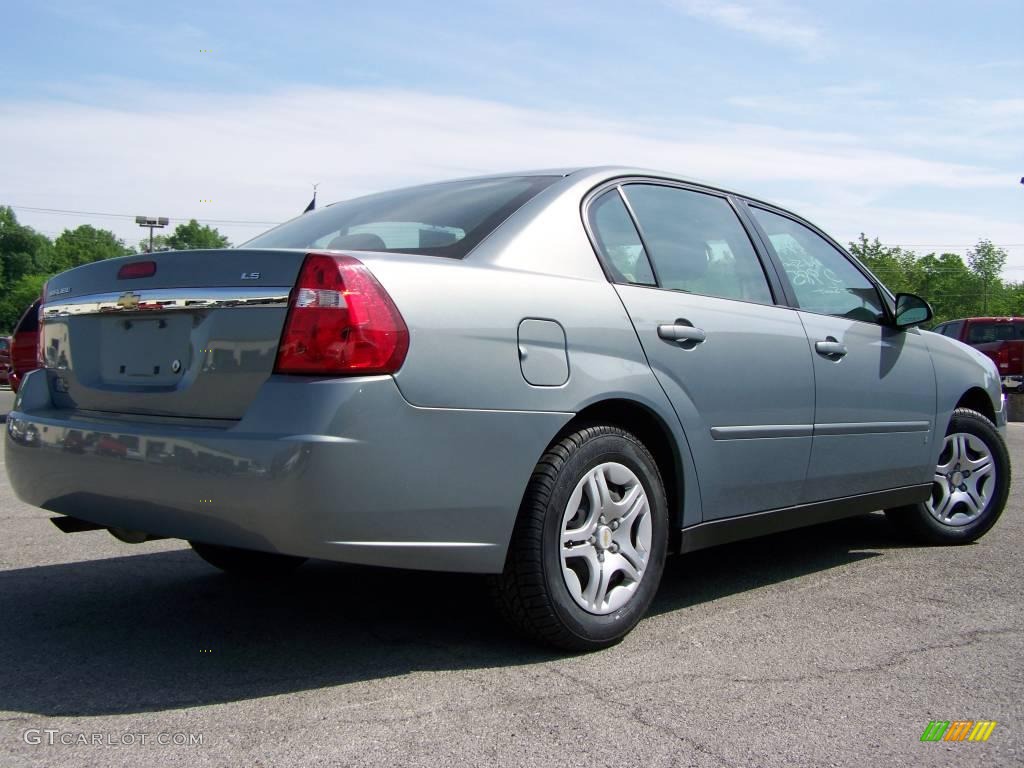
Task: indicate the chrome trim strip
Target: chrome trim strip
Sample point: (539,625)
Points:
(871,427)
(761,431)
(166,300)
(412,543)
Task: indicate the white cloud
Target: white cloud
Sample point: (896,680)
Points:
(766,21)
(255,156)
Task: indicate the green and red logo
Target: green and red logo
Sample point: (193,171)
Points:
(958,730)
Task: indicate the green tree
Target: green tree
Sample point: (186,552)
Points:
(83,245)
(986,263)
(18,297)
(22,249)
(949,286)
(190,236)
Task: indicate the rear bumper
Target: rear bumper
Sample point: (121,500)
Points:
(341,469)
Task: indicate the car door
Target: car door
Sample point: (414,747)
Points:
(735,366)
(875,392)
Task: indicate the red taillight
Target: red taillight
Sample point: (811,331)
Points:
(137,269)
(341,321)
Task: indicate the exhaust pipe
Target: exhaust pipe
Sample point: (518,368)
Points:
(76,525)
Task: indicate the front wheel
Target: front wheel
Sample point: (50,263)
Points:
(969,488)
(589,545)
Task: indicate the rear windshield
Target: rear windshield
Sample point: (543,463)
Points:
(982,333)
(446,219)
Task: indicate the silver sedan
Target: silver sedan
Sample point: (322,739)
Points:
(554,378)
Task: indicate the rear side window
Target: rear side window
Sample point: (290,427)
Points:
(982,333)
(447,219)
(697,243)
(619,241)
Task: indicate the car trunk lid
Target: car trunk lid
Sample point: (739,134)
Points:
(196,338)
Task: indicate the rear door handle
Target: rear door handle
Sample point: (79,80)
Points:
(682,333)
(830,347)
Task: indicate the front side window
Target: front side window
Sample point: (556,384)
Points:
(823,279)
(697,243)
(619,241)
(446,219)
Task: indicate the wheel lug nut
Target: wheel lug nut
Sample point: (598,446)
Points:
(600,557)
(602,520)
(613,548)
(592,540)
(963,486)
(615,525)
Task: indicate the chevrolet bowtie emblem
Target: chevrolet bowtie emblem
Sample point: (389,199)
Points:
(128,300)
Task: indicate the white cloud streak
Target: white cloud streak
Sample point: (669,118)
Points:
(767,22)
(255,156)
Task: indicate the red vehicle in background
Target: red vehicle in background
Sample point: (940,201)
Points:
(24,341)
(5,358)
(1001,338)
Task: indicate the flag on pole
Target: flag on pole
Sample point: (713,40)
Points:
(312,203)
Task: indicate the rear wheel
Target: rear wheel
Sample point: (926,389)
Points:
(970,485)
(589,545)
(246,562)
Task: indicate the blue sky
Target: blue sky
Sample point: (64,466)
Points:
(903,120)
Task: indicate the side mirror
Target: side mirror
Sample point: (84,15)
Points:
(912,310)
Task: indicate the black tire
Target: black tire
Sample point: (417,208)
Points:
(246,562)
(532,593)
(917,521)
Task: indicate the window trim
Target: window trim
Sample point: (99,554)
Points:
(886,298)
(610,272)
(776,287)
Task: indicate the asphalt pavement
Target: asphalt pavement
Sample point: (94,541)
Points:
(834,645)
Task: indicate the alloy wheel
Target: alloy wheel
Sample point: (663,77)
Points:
(605,538)
(965,479)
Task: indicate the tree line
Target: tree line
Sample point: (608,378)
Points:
(29,258)
(955,287)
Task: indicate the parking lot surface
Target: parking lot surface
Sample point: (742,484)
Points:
(835,645)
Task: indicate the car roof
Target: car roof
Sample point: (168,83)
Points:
(600,173)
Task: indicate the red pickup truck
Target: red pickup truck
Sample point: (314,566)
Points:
(23,346)
(1001,338)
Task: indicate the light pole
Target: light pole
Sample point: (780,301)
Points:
(151,223)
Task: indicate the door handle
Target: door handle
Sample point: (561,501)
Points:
(830,347)
(682,333)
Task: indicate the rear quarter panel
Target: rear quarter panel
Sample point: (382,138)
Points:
(464,316)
